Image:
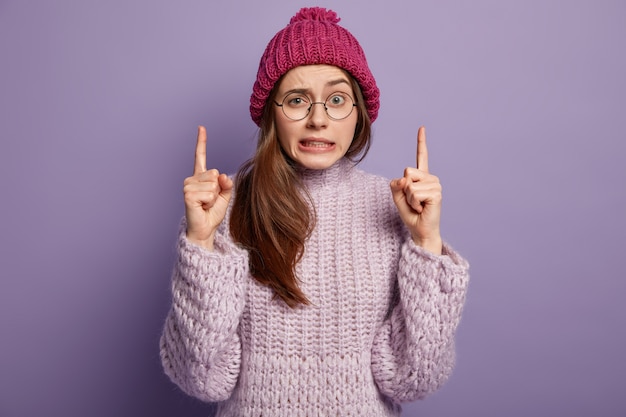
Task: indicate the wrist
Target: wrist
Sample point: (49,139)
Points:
(433,244)
(203,243)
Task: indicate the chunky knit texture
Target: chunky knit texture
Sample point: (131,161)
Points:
(313,36)
(380,329)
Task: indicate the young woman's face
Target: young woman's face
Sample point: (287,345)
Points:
(318,140)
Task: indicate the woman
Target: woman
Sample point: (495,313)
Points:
(307,287)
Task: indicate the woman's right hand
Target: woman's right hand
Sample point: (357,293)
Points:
(207,194)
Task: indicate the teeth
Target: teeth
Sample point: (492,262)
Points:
(316,144)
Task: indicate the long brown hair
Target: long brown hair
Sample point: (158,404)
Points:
(272,215)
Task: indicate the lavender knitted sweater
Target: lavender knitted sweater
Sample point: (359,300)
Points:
(380,329)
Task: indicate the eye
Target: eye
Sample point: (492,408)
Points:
(337,100)
(296,100)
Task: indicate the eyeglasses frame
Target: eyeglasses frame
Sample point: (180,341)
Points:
(311,103)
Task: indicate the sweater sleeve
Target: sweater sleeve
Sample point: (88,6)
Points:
(413,352)
(200,348)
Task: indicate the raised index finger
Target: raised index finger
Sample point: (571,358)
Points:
(422,152)
(200,162)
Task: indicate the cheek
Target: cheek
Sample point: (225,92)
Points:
(280,131)
(284,146)
(350,133)
(283,134)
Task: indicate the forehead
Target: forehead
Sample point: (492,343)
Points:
(314,78)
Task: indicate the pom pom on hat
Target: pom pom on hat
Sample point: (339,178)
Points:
(315,13)
(312,36)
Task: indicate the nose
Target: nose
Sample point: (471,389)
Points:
(317,115)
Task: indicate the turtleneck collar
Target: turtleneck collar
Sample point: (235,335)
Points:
(313,178)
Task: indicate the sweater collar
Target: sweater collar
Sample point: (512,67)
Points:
(313,178)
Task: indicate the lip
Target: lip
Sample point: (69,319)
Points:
(316,145)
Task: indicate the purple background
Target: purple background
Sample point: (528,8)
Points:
(524,104)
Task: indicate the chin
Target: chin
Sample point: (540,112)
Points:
(317,163)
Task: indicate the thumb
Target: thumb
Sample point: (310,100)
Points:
(399,198)
(226,185)
(397,189)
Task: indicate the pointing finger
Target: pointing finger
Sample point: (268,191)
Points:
(200,162)
(422,152)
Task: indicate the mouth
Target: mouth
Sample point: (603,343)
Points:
(316,144)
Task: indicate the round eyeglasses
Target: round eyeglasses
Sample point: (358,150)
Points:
(297,106)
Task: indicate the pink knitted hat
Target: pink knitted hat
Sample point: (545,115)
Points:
(312,37)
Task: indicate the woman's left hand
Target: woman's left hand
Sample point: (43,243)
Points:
(418,198)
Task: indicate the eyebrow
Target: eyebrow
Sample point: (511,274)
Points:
(337,81)
(331,83)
